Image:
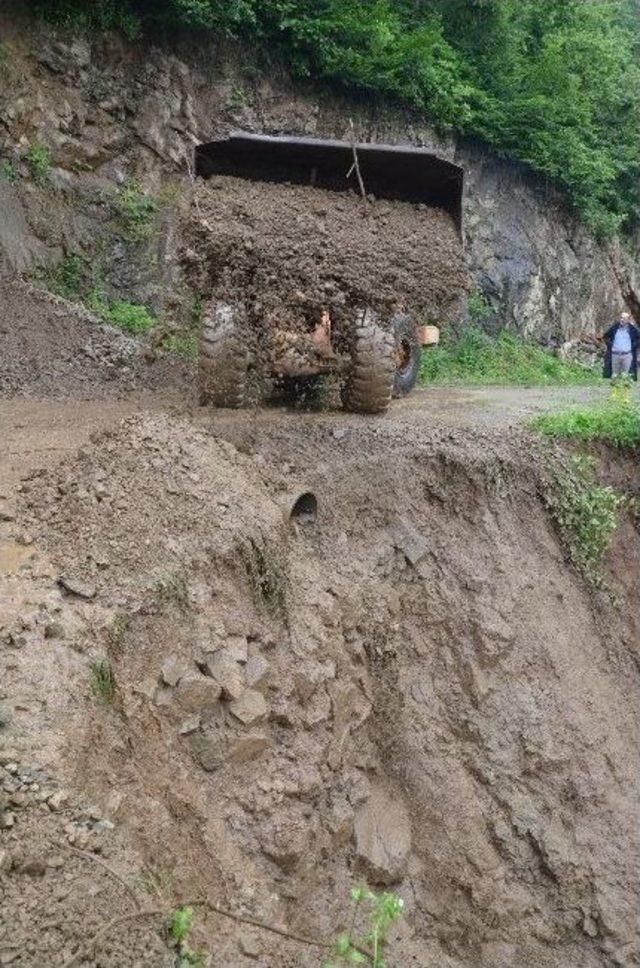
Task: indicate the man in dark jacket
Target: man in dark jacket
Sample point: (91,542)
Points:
(623,342)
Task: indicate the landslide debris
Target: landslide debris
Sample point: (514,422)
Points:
(288,251)
(412,689)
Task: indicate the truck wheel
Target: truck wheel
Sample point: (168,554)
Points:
(369,382)
(223,358)
(408,354)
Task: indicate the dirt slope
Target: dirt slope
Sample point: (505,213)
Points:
(416,689)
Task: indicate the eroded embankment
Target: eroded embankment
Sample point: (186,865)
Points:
(416,690)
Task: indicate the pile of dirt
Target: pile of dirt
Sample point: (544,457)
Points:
(413,689)
(54,348)
(289,251)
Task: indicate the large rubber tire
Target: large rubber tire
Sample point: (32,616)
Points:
(223,358)
(369,382)
(408,354)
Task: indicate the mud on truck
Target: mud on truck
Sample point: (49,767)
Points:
(308,278)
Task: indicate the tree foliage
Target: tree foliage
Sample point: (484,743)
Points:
(553,84)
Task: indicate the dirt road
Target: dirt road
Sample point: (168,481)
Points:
(39,432)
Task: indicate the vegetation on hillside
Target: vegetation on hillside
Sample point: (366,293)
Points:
(555,85)
(475,358)
(616,422)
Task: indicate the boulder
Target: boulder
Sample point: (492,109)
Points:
(198,694)
(249,747)
(250,708)
(383,837)
(227,673)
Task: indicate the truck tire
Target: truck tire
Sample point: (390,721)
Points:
(223,358)
(408,354)
(369,382)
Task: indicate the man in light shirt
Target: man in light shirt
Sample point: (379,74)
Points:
(622,340)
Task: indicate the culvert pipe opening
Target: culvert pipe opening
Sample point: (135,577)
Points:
(301,507)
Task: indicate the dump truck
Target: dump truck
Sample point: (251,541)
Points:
(375,357)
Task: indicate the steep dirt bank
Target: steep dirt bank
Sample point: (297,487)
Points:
(415,689)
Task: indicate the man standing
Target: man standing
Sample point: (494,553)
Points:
(622,340)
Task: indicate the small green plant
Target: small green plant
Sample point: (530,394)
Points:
(132,317)
(475,358)
(238,97)
(136,211)
(586,514)
(9,172)
(616,422)
(479,308)
(179,929)
(183,344)
(366,940)
(103,681)
(172,589)
(68,277)
(39,161)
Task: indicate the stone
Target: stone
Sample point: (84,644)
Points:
(31,866)
(190,725)
(6,861)
(208,750)
(408,540)
(236,647)
(7,515)
(249,747)
(7,820)
(256,671)
(54,630)
(74,586)
(249,945)
(198,694)
(58,800)
(383,837)
(227,673)
(173,668)
(250,708)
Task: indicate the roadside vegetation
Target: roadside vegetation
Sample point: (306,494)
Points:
(615,422)
(554,85)
(475,358)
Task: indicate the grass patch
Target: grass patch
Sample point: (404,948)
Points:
(475,358)
(39,161)
(616,422)
(68,278)
(132,317)
(103,681)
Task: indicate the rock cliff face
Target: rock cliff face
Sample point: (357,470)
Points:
(109,112)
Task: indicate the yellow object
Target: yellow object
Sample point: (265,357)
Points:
(429,335)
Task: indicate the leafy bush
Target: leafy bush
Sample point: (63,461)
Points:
(132,317)
(9,172)
(587,516)
(476,358)
(617,423)
(68,278)
(553,84)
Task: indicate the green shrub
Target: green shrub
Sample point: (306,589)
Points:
(614,422)
(587,516)
(39,161)
(476,358)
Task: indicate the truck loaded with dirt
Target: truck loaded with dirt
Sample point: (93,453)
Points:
(259,658)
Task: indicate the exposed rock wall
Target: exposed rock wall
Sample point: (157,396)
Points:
(109,110)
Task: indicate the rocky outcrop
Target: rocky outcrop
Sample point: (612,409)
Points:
(110,111)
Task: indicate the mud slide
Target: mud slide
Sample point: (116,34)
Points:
(204,698)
